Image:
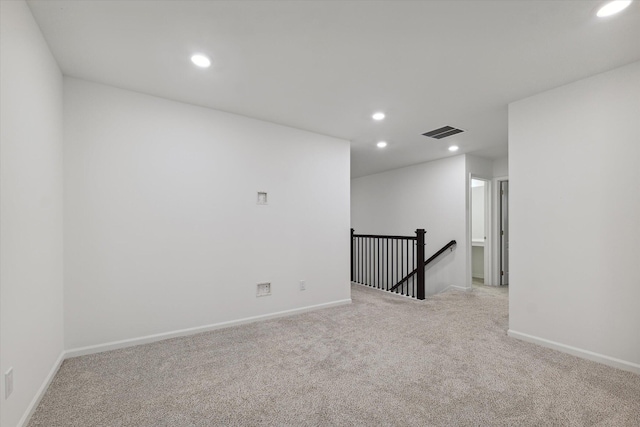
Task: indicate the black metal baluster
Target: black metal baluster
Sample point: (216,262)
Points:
(420,277)
(387,275)
(401,265)
(364,261)
(360,254)
(413,267)
(405,286)
(402,256)
(375,263)
(378,259)
(365,266)
(366,257)
(397,265)
(359,259)
(394,262)
(367,269)
(379,264)
(371,266)
(394,271)
(405,290)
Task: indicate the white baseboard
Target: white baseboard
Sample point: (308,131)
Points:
(456,288)
(99,348)
(448,288)
(41,391)
(585,354)
(385,291)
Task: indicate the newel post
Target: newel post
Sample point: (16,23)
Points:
(352,243)
(420,262)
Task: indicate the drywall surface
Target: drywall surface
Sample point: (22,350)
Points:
(479,166)
(31,325)
(163,230)
(429,195)
(575,233)
(501,167)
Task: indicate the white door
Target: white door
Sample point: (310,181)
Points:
(504,232)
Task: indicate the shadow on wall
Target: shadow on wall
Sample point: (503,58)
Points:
(437,273)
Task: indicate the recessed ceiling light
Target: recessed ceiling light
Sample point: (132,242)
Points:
(381,144)
(613,7)
(453,148)
(201,60)
(378,116)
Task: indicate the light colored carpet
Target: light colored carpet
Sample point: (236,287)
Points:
(383,360)
(504,290)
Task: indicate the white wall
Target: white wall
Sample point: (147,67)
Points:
(479,166)
(31,325)
(430,195)
(162,228)
(501,167)
(574,156)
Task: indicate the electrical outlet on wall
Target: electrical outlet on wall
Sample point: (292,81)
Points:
(263,289)
(8,383)
(303,285)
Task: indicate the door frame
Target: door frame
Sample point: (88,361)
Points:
(496,255)
(488,231)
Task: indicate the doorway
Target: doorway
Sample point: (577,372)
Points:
(504,233)
(480,224)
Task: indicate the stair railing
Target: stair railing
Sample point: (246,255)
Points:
(382,262)
(392,263)
(421,270)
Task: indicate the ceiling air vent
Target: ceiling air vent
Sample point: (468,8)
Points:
(443,132)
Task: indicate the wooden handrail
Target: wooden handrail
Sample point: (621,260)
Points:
(434,256)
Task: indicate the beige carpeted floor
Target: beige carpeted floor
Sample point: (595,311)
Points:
(383,360)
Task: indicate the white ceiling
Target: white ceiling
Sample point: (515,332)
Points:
(326,66)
